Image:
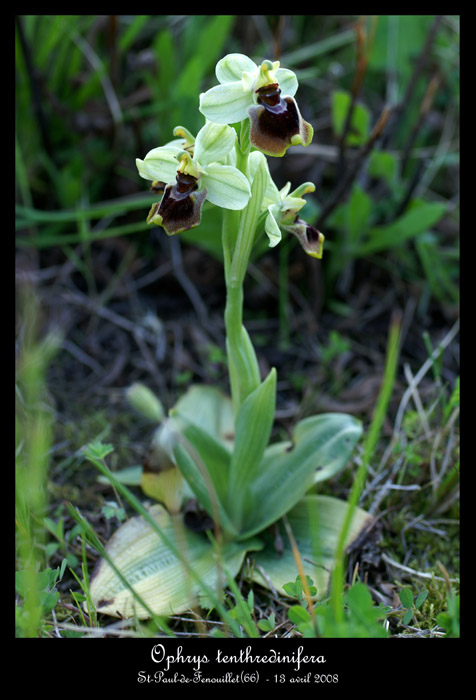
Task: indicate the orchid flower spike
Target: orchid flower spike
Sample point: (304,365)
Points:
(188,171)
(263,93)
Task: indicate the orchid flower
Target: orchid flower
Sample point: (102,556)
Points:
(265,95)
(188,172)
(283,209)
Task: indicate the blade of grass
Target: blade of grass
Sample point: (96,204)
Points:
(34,436)
(370,444)
(116,207)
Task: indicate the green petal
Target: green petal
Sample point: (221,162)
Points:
(213,143)
(288,82)
(226,104)
(226,186)
(159,164)
(231,67)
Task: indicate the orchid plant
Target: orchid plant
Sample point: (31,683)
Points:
(222,486)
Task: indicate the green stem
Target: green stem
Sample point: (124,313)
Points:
(238,235)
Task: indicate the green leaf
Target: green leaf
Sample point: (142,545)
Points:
(320,448)
(406,598)
(363,615)
(253,429)
(210,409)
(358,212)
(359,129)
(421,217)
(129,475)
(298,615)
(407,618)
(400,61)
(205,464)
(383,165)
(97,450)
(166,584)
(316,523)
(420,599)
(265,625)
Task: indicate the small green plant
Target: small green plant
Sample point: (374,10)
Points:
(449,619)
(296,589)
(41,587)
(360,618)
(267,624)
(411,603)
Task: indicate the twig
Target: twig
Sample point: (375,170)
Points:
(419,376)
(417,400)
(413,572)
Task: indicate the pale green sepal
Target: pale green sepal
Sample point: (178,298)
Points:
(253,429)
(226,186)
(159,164)
(213,143)
(226,104)
(272,229)
(230,68)
(316,523)
(321,446)
(167,584)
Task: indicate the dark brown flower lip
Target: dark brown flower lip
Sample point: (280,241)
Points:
(274,122)
(180,208)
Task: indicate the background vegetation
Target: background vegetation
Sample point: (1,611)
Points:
(103,300)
